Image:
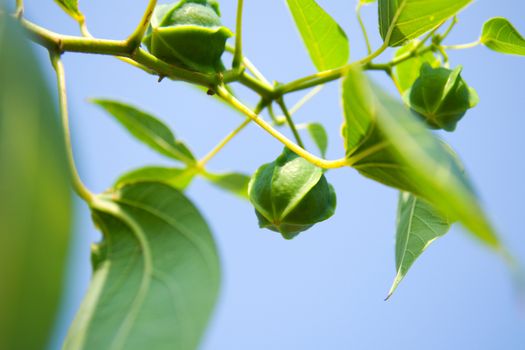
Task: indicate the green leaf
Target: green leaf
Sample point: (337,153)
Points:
(318,134)
(408,71)
(385,142)
(35,204)
(366,2)
(500,35)
(325,41)
(148,129)
(418,225)
(71,8)
(180,178)
(156,273)
(232,182)
(408,19)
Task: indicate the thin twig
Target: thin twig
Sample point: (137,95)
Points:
(237,56)
(290,122)
(78,185)
(322,163)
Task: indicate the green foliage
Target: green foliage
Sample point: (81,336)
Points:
(326,42)
(441,97)
(148,129)
(408,19)
(407,72)
(386,143)
(232,182)
(156,270)
(290,195)
(176,177)
(319,136)
(500,35)
(156,273)
(71,8)
(418,225)
(188,33)
(35,201)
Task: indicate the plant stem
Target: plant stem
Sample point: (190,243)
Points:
(135,38)
(263,89)
(19,12)
(449,29)
(326,164)
(410,55)
(59,43)
(462,46)
(290,122)
(256,72)
(296,107)
(250,66)
(83,27)
(363,28)
(329,75)
(78,185)
(202,163)
(237,56)
(204,160)
(395,81)
(275,120)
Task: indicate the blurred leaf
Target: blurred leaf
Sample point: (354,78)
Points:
(318,134)
(35,204)
(385,142)
(500,35)
(418,225)
(177,177)
(325,41)
(365,2)
(148,129)
(71,8)
(412,18)
(232,182)
(408,71)
(156,273)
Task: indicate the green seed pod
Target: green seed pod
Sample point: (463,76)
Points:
(441,97)
(188,33)
(290,195)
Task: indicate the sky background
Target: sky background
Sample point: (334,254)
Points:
(324,289)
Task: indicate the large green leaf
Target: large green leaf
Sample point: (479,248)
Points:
(148,129)
(385,142)
(232,182)
(179,178)
(500,35)
(70,7)
(35,200)
(325,41)
(156,273)
(408,71)
(408,19)
(418,225)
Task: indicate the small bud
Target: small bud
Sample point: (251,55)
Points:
(188,33)
(290,195)
(441,97)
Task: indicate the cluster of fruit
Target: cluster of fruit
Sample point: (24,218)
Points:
(290,195)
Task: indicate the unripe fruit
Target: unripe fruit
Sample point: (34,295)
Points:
(290,195)
(441,97)
(188,33)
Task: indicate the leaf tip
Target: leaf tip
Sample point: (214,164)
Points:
(394,286)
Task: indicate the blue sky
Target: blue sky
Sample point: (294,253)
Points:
(324,289)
